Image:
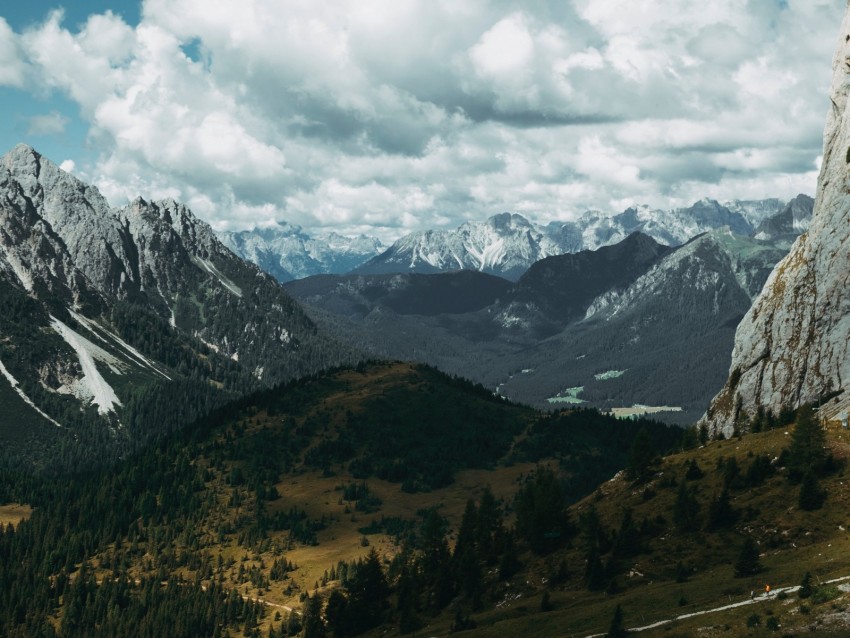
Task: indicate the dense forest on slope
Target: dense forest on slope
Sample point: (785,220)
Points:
(181,536)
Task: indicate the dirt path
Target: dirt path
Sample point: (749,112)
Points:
(747,601)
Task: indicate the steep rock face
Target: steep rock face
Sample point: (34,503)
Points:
(792,346)
(102,303)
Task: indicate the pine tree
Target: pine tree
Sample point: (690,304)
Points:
(811,496)
(731,473)
(720,512)
(748,563)
(594,572)
(641,458)
(314,624)
(367,595)
(616,628)
(336,612)
(407,603)
(685,509)
(627,543)
(693,473)
(805,590)
(807,445)
(541,512)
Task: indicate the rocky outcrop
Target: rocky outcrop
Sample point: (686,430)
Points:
(792,346)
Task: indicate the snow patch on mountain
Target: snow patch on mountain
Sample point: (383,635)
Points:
(92,386)
(507,244)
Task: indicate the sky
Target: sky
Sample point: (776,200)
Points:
(386,116)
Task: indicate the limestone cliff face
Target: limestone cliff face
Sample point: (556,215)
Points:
(792,346)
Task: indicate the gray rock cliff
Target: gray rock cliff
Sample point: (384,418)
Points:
(792,346)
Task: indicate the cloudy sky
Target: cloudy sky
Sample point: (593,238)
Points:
(385,116)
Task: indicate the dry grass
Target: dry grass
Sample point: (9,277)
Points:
(14,513)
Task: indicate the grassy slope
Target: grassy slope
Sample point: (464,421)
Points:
(286,425)
(791,542)
(280,429)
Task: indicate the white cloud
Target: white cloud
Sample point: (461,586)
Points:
(401,115)
(52,123)
(12,65)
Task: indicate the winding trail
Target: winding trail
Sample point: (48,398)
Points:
(748,601)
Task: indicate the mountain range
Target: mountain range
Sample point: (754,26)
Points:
(116,310)
(507,244)
(117,304)
(610,327)
(287,252)
(190,448)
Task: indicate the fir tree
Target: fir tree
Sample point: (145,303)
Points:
(720,512)
(627,542)
(748,563)
(616,629)
(807,445)
(541,512)
(594,571)
(314,624)
(693,473)
(641,458)
(811,496)
(805,590)
(685,509)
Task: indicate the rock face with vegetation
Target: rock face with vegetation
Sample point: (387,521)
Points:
(792,346)
(108,312)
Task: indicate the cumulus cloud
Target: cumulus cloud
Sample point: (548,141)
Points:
(401,115)
(12,64)
(52,123)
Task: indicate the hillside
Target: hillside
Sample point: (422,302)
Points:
(669,546)
(272,496)
(298,495)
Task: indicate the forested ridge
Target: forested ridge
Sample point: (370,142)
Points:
(175,537)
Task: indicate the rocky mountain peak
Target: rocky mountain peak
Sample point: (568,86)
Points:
(792,346)
(509,222)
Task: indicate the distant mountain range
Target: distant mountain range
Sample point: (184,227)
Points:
(636,322)
(508,244)
(123,320)
(286,252)
(140,317)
